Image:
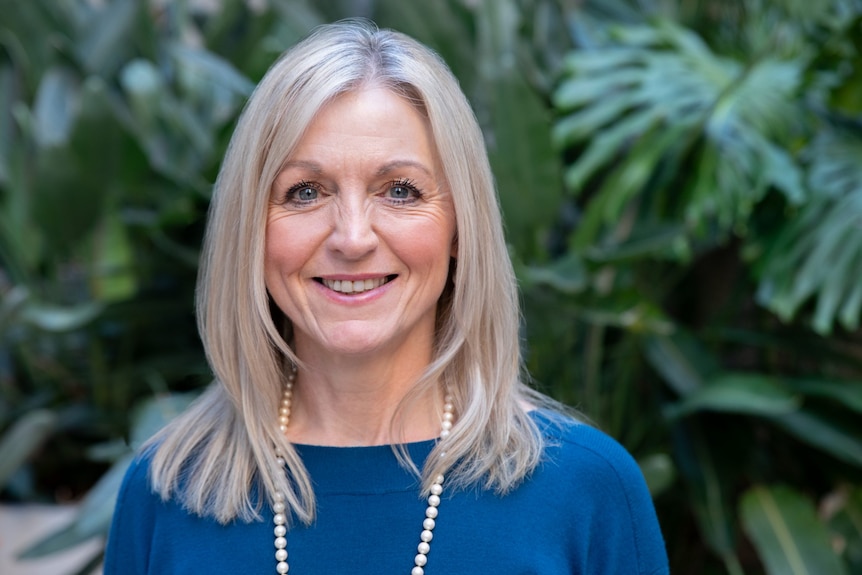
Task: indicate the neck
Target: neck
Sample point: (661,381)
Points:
(356,403)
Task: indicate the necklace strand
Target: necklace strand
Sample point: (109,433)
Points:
(431,512)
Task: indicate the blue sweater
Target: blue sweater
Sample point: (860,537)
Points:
(585,510)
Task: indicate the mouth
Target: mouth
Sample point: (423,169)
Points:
(355,286)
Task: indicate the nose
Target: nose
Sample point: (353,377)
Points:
(353,235)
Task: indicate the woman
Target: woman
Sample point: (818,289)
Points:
(359,310)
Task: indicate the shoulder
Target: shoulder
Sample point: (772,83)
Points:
(604,485)
(136,482)
(573,443)
(132,519)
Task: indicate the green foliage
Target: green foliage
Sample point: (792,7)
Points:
(784,526)
(713,171)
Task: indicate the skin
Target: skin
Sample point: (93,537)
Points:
(362,197)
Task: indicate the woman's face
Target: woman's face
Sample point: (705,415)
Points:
(360,230)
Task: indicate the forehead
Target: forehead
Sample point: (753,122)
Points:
(373,124)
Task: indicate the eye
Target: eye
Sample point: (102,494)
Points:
(403,191)
(303,192)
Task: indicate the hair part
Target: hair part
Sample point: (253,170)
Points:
(215,456)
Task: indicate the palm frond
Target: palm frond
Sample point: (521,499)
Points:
(819,253)
(730,120)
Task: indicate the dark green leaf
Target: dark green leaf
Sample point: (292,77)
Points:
(789,537)
(568,275)
(92,519)
(659,472)
(833,438)
(752,394)
(23,439)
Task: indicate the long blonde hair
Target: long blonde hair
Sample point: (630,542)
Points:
(219,452)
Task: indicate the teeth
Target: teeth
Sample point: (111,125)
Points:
(347,286)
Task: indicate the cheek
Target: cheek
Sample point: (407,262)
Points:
(425,247)
(282,251)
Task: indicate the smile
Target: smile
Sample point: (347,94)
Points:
(357,286)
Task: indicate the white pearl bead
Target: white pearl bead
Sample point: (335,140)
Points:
(431,512)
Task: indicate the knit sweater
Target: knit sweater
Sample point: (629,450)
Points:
(585,510)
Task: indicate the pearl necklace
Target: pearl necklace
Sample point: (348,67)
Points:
(431,512)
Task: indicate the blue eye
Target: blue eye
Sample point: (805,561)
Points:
(306,194)
(403,190)
(302,192)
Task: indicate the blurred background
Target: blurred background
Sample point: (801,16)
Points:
(682,189)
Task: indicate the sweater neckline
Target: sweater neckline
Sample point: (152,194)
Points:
(371,469)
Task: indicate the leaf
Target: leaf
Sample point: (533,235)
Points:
(154,413)
(13,301)
(212,70)
(845,393)
(567,275)
(680,361)
(833,438)
(23,439)
(785,529)
(651,241)
(92,519)
(113,277)
(751,394)
(105,39)
(818,252)
(54,109)
(708,486)
(845,522)
(97,508)
(659,472)
(55,318)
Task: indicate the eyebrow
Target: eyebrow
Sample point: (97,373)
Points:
(396,164)
(310,166)
(386,168)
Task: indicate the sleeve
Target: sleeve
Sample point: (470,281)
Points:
(129,538)
(611,513)
(628,538)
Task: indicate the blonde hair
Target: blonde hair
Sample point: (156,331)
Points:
(215,456)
